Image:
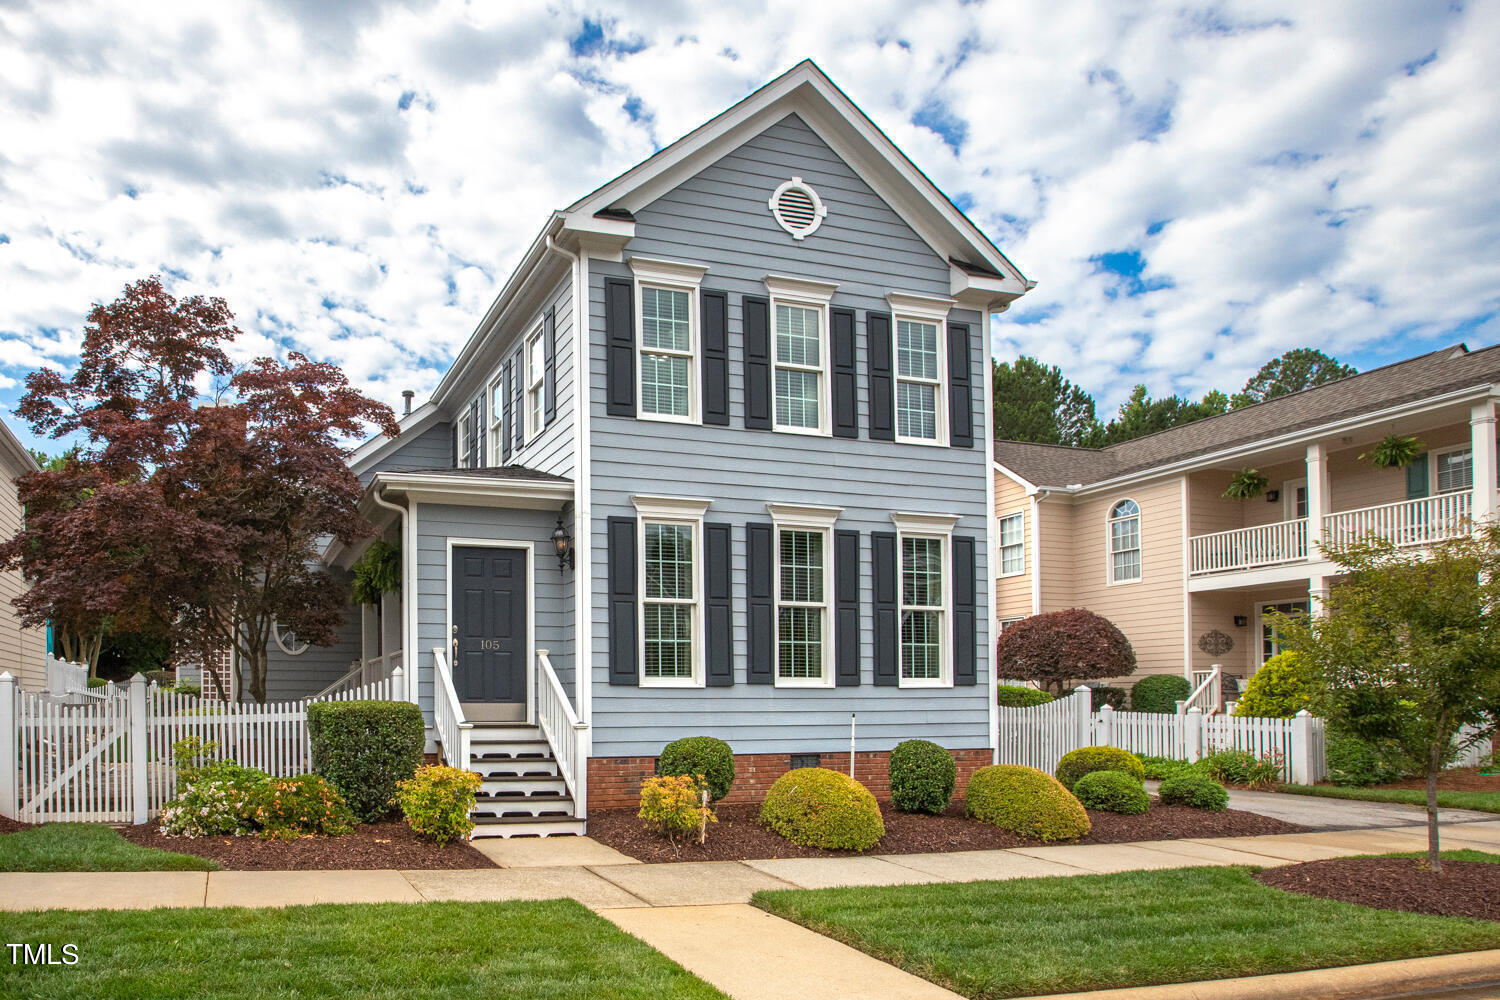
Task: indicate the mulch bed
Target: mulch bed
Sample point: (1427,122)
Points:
(737,836)
(1464,889)
(1462,779)
(374,845)
(13,826)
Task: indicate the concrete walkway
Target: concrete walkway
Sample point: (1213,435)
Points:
(1326,813)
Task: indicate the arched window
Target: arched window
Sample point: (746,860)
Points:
(1124,542)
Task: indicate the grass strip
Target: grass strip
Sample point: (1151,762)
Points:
(1476,801)
(88,847)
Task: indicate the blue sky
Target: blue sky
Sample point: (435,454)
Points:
(1195,188)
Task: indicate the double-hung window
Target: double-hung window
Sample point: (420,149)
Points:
(923,544)
(1013,544)
(671,545)
(536,377)
(1455,470)
(667,297)
(921,367)
(1125,542)
(499,401)
(799,354)
(804,592)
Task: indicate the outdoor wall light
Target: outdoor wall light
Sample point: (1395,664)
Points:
(563,543)
(1240,621)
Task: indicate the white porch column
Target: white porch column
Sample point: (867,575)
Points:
(1482,438)
(1317,497)
(1317,595)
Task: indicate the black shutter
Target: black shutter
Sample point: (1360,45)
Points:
(549,353)
(622,601)
(845,411)
(507,412)
(755,313)
(518,399)
(882,384)
(619,347)
(762,603)
(717,589)
(960,388)
(846,608)
(715,309)
(1416,478)
(473,452)
(479,429)
(455,444)
(965,616)
(887,609)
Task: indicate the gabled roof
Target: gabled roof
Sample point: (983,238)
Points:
(13,453)
(1452,369)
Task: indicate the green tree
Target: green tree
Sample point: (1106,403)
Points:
(1410,649)
(1297,369)
(1034,402)
(1141,415)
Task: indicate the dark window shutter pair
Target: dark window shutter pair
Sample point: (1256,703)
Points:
(882,379)
(619,347)
(507,411)
(1416,478)
(841,338)
(755,313)
(549,356)
(715,361)
(965,612)
(960,388)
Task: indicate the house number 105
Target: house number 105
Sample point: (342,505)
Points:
(489,643)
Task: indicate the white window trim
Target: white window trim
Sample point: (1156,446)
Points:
(676,276)
(1000,544)
(497,416)
(939,526)
(922,309)
(825,671)
(804,293)
(1437,465)
(687,512)
(1109,555)
(466,432)
(1004,623)
(534,420)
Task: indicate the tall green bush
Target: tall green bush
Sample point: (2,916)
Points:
(1159,693)
(1282,687)
(816,807)
(364,748)
(923,776)
(695,755)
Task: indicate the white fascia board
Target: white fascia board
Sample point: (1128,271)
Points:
(416,422)
(1025,484)
(12,449)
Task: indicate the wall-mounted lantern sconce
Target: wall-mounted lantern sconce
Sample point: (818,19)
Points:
(563,543)
(1272,496)
(1240,621)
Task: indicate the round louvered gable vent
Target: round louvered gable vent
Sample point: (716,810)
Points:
(797,208)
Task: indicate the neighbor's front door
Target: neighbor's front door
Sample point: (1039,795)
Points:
(489,627)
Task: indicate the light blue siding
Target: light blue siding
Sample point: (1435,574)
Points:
(720,218)
(304,675)
(432,449)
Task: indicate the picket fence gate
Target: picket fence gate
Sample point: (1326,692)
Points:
(1039,736)
(110,760)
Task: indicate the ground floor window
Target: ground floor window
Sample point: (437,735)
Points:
(1270,639)
(670,604)
(922,609)
(801,604)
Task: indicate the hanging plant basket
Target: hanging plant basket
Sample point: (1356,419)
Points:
(1394,451)
(1247,484)
(378,571)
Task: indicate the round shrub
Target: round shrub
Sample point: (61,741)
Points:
(364,748)
(1026,802)
(288,808)
(1194,790)
(1020,696)
(695,755)
(1159,693)
(816,807)
(1112,791)
(437,801)
(1281,688)
(922,777)
(1085,760)
(1355,762)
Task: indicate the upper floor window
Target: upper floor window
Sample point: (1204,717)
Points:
(918,381)
(1455,470)
(799,354)
(667,293)
(536,377)
(499,404)
(1124,542)
(1013,544)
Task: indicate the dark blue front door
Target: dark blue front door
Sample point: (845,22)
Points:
(489,624)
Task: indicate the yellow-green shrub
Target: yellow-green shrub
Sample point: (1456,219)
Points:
(437,801)
(304,806)
(673,806)
(1026,802)
(816,807)
(1085,760)
(1281,688)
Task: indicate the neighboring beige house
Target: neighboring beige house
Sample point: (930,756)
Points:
(23,651)
(1139,532)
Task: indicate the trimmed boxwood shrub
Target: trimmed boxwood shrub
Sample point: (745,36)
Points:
(695,755)
(1026,802)
(922,777)
(1020,696)
(1076,763)
(816,807)
(1112,791)
(364,748)
(437,801)
(1194,790)
(1159,693)
(1282,687)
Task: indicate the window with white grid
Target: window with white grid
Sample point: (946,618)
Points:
(1013,544)
(1124,542)
(1455,471)
(919,396)
(536,376)
(801,605)
(922,609)
(669,605)
(799,358)
(666,351)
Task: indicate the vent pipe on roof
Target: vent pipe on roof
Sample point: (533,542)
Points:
(407,394)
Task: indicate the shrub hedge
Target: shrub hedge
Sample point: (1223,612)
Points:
(1021,696)
(364,748)
(695,755)
(1112,791)
(1085,760)
(1355,762)
(1026,802)
(1194,790)
(1106,694)
(288,808)
(816,807)
(923,775)
(1159,693)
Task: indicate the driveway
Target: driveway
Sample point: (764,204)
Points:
(1343,814)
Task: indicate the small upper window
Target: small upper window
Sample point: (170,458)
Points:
(797,208)
(536,373)
(666,351)
(1124,542)
(1013,545)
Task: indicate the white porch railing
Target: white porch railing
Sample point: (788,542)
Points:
(561,727)
(371,671)
(1208,692)
(448,715)
(1248,548)
(1410,522)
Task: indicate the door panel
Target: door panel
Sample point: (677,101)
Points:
(489,624)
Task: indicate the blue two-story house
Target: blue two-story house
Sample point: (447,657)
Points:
(716,461)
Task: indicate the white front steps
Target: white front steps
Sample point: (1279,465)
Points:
(522,794)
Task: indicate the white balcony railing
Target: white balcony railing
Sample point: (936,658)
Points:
(565,734)
(453,729)
(1411,522)
(1249,548)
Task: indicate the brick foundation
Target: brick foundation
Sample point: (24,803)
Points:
(615,782)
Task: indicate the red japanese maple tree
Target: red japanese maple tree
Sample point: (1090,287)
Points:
(1060,648)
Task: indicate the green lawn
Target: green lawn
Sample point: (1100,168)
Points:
(87,847)
(1086,932)
(412,951)
(1478,801)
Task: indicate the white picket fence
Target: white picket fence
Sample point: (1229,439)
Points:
(110,760)
(1039,736)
